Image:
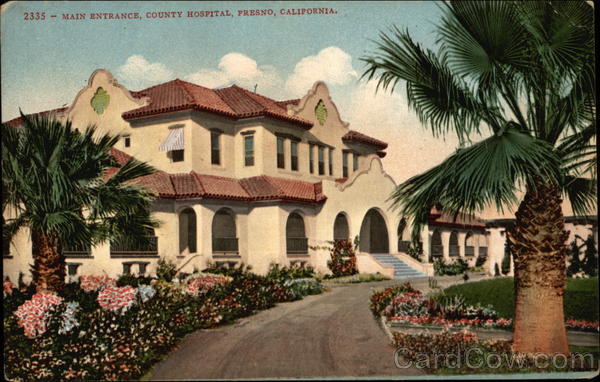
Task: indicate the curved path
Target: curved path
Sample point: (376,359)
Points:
(328,335)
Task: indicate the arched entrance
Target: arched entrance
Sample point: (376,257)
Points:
(374,233)
(187,231)
(341,231)
(224,233)
(437,250)
(295,235)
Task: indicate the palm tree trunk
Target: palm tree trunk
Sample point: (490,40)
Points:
(48,263)
(537,242)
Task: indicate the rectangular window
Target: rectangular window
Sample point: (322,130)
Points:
(127,141)
(280,153)
(321,160)
(215,147)
(345,164)
(330,161)
(354,162)
(249,150)
(176,156)
(311,163)
(294,154)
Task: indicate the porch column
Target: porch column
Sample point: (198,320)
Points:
(461,244)
(426,247)
(446,245)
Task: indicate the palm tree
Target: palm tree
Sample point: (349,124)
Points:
(54,183)
(522,74)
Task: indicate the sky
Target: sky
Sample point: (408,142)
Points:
(46,62)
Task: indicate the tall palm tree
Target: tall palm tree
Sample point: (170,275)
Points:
(522,74)
(53,180)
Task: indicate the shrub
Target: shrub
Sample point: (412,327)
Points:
(481,259)
(415,250)
(496,270)
(343,259)
(288,273)
(133,280)
(165,270)
(381,299)
(457,267)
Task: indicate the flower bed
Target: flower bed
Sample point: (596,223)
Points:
(98,329)
(405,305)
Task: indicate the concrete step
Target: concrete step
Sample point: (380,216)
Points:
(401,269)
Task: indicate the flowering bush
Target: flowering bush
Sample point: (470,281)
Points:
(117,299)
(408,304)
(500,323)
(587,326)
(146,292)
(7,287)
(34,314)
(381,299)
(205,283)
(343,259)
(95,283)
(106,332)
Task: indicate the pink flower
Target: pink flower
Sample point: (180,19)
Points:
(34,314)
(8,287)
(117,299)
(205,283)
(94,283)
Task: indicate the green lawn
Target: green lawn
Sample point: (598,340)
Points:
(581,296)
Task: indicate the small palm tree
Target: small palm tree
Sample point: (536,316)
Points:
(53,180)
(522,73)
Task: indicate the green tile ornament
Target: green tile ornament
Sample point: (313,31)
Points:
(321,112)
(100,101)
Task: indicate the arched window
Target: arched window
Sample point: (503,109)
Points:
(436,244)
(187,231)
(403,236)
(295,235)
(374,233)
(470,244)
(453,249)
(224,233)
(341,231)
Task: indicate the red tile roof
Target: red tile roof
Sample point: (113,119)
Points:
(15,122)
(255,189)
(355,136)
(233,102)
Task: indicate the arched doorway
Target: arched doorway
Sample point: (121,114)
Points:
(224,232)
(295,235)
(374,233)
(341,231)
(437,250)
(453,247)
(187,231)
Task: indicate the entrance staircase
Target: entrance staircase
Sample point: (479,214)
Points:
(401,269)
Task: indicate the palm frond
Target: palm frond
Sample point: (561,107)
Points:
(486,173)
(440,98)
(582,193)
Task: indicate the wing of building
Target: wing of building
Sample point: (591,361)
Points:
(247,179)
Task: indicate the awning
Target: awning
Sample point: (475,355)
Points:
(174,140)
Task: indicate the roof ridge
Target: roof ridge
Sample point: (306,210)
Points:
(251,94)
(184,86)
(196,178)
(242,91)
